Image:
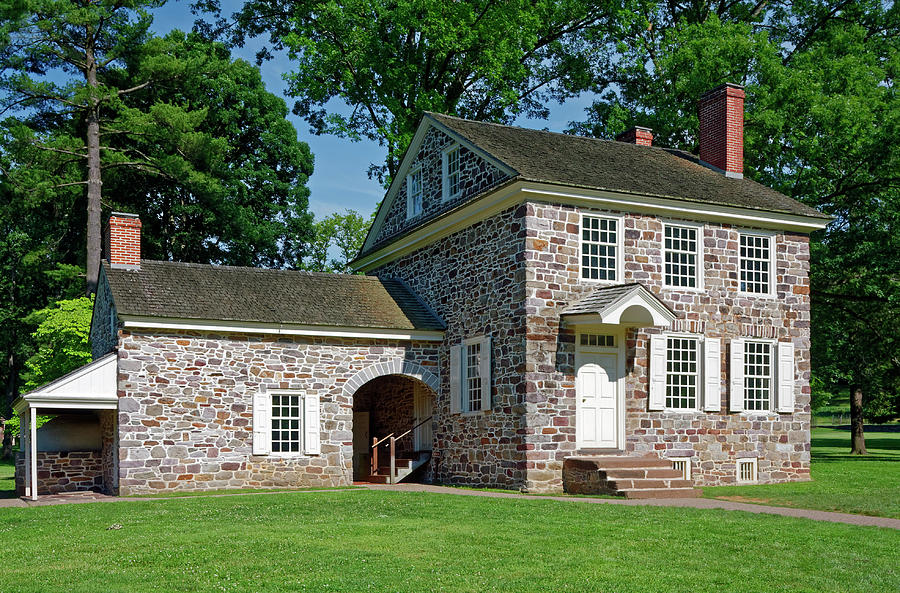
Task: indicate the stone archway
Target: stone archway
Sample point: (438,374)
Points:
(396,366)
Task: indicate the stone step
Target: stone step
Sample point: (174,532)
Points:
(661,493)
(623,461)
(647,484)
(632,473)
(377,479)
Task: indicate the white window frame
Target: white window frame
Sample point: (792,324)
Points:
(753,463)
(411,211)
(619,245)
(445,172)
(770,236)
(686,470)
(464,394)
(700,268)
(700,384)
(301,425)
(310,405)
(773,375)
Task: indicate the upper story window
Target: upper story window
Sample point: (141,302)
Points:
(756,263)
(599,247)
(452,172)
(683,259)
(414,194)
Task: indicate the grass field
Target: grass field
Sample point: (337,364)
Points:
(868,485)
(386,541)
(7,478)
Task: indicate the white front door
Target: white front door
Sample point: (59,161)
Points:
(596,410)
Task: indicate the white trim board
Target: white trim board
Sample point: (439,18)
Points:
(516,192)
(210,325)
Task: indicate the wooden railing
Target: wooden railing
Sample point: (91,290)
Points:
(376,442)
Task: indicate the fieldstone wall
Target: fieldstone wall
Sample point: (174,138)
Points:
(477,176)
(63,471)
(713,440)
(109,451)
(474,280)
(185,407)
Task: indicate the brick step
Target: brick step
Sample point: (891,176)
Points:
(647,484)
(377,479)
(661,493)
(650,472)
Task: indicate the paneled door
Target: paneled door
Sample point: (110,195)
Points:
(596,409)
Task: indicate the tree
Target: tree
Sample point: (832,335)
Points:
(61,339)
(389,61)
(821,125)
(344,233)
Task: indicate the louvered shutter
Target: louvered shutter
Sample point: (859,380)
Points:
(311,444)
(712,374)
(484,371)
(455,378)
(262,424)
(657,372)
(785,377)
(736,368)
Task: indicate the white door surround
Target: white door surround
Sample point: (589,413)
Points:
(600,390)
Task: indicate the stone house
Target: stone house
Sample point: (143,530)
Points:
(539,311)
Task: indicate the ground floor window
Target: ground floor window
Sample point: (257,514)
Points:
(682,372)
(472,373)
(757,375)
(287,412)
(746,470)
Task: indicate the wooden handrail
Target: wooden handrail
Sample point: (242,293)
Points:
(393,443)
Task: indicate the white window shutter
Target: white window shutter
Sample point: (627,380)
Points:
(736,368)
(484,371)
(785,377)
(657,372)
(409,209)
(311,443)
(455,379)
(262,424)
(712,374)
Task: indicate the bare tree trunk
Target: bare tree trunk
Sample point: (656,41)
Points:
(9,394)
(857,436)
(94,182)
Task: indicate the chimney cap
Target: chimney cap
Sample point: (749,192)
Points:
(735,90)
(124,215)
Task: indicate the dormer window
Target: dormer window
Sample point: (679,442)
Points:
(452,173)
(414,194)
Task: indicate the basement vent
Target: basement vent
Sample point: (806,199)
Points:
(684,466)
(746,470)
(598,340)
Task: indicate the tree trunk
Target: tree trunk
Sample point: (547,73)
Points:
(94,182)
(10,394)
(857,436)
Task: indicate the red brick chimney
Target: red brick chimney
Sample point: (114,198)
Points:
(637,135)
(123,235)
(722,129)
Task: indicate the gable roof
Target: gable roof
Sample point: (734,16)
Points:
(226,293)
(592,163)
(609,302)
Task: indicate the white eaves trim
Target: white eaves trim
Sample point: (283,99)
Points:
(517,192)
(91,387)
(135,322)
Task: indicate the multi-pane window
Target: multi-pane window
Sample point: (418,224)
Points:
(681,256)
(414,194)
(286,414)
(756,252)
(471,400)
(598,340)
(452,173)
(682,373)
(599,243)
(757,375)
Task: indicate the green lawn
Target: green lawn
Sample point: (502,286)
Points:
(7,480)
(389,541)
(868,485)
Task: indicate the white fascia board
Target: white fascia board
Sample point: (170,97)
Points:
(522,191)
(245,327)
(65,403)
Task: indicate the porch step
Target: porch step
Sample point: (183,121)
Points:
(403,468)
(629,476)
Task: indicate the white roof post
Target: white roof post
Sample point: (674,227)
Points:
(32,430)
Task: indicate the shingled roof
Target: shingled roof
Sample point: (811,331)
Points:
(226,293)
(591,163)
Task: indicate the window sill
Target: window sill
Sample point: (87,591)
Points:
(469,414)
(683,288)
(757,295)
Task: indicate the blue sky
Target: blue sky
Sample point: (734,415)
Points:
(339,181)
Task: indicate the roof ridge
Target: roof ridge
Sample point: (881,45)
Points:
(257,269)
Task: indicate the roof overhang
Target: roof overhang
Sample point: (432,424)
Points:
(91,387)
(518,191)
(630,306)
(248,327)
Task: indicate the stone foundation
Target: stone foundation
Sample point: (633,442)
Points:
(63,471)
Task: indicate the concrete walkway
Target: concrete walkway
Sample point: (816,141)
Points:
(696,503)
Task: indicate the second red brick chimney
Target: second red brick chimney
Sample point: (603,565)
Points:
(722,129)
(123,236)
(637,135)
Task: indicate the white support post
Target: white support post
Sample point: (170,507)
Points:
(32,431)
(25,450)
